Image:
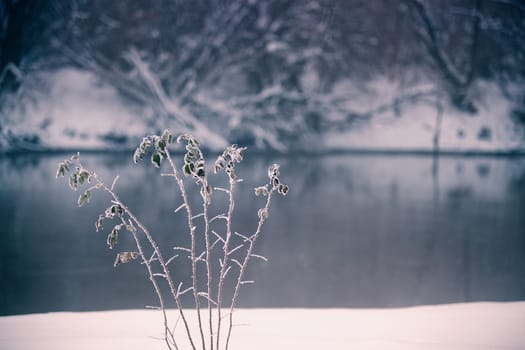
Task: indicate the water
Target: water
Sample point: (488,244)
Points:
(354,231)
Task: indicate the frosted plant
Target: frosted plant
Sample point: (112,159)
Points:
(234,249)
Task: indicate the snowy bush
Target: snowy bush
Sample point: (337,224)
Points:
(221,240)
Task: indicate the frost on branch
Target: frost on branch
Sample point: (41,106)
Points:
(194,165)
(84,198)
(232,251)
(275,183)
(159,144)
(230,156)
(113,236)
(261,190)
(125,257)
(193,159)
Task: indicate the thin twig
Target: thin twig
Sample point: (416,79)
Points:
(182,189)
(156,249)
(155,286)
(114,182)
(254,237)
(171,259)
(224,262)
(145,260)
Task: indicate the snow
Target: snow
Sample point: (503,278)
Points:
(78,110)
(469,326)
(273,46)
(414,129)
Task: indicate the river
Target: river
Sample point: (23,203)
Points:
(355,230)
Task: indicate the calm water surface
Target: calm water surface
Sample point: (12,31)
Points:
(355,231)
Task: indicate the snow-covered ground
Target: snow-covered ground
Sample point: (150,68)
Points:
(471,326)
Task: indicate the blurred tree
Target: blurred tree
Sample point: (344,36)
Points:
(28,30)
(468,40)
(266,72)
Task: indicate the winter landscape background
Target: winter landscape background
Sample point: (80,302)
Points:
(274,75)
(399,127)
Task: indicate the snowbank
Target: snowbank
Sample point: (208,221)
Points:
(470,326)
(78,111)
(491,129)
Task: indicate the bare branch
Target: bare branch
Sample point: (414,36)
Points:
(197,216)
(183,249)
(237,262)
(260,257)
(185,291)
(235,249)
(201,257)
(205,295)
(221,189)
(171,259)
(245,238)
(114,182)
(217,217)
(183,205)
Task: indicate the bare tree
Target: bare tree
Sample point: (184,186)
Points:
(263,73)
(457,77)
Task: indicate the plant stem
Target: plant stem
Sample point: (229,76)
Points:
(251,241)
(231,206)
(193,244)
(157,289)
(157,253)
(208,265)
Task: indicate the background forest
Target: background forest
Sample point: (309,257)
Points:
(281,75)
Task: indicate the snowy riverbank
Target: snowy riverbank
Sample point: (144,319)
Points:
(78,111)
(472,326)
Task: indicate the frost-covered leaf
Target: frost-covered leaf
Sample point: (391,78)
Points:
(137,156)
(61,170)
(115,209)
(283,189)
(262,214)
(84,176)
(98,223)
(188,169)
(189,138)
(261,190)
(273,171)
(189,158)
(113,236)
(156,159)
(73,181)
(142,149)
(230,170)
(125,257)
(161,145)
(219,164)
(200,166)
(235,153)
(84,197)
(167,137)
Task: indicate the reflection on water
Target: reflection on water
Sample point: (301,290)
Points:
(355,231)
